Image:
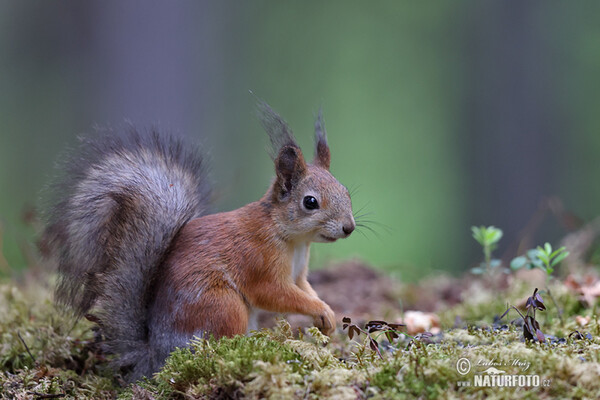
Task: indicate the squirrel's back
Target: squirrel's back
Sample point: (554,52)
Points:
(117,207)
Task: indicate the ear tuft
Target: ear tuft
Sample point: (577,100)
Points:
(278,130)
(290,168)
(322,153)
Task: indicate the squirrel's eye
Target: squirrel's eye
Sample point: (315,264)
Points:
(310,203)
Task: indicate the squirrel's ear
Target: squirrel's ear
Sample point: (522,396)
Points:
(322,153)
(290,167)
(278,130)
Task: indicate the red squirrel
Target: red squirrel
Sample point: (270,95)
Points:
(138,254)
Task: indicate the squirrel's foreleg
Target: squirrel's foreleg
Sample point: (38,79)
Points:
(286,297)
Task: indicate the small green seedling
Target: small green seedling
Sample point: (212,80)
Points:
(545,259)
(488,238)
(541,257)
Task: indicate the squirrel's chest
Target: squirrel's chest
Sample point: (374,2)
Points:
(300,254)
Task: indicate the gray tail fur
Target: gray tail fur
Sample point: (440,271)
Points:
(118,206)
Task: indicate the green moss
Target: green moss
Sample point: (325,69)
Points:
(279,365)
(45,351)
(223,365)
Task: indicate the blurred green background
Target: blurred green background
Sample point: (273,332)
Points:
(441,115)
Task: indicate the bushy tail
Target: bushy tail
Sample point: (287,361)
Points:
(119,205)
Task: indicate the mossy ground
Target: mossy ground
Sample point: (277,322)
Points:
(45,352)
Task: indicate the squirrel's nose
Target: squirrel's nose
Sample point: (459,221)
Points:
(348,229)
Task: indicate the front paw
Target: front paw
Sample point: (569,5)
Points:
(325,320)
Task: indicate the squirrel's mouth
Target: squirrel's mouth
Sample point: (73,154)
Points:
(328,239)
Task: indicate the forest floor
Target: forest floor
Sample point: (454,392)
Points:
(455,343)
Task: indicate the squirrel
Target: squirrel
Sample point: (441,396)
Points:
(139,254)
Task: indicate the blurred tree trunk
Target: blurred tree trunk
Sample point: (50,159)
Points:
(161,63)
(509,115)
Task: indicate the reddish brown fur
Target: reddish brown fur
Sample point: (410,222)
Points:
(222,266)
(236,260)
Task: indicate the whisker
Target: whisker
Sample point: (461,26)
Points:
(360,209)
(363,217)
(377,223)
(362,233)
(373,231)
(365,224)
(354,189)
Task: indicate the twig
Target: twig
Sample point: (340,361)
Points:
(562,322)
(26,347)
(47,396)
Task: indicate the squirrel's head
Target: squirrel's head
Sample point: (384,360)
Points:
(309,203)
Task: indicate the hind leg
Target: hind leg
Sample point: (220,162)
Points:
(221,311)
(218,311)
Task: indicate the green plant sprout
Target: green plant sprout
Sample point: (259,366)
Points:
(488,238)
(541,257)
(545,259)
